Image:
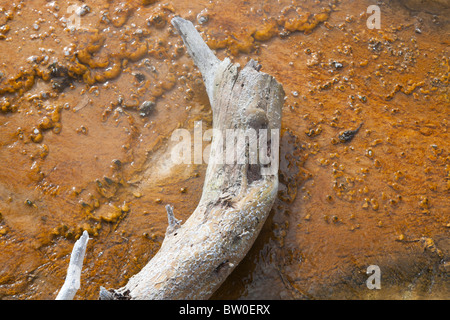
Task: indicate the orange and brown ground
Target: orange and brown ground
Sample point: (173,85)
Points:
(79,151)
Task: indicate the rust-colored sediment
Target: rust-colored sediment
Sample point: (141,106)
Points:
(87,111)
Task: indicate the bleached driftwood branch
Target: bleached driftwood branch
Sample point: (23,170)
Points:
(72,282)
(197,256)
(238,192)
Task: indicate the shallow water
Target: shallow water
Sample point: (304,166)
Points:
(78,151)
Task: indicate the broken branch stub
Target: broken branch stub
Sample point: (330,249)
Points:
(197,256)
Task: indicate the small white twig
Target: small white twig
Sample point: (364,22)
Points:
(72,282)
(173,222)
(199,51)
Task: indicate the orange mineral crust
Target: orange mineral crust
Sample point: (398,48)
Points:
(92,91)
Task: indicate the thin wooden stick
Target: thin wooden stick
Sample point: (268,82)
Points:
(72,282)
